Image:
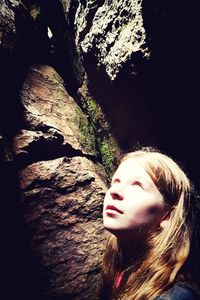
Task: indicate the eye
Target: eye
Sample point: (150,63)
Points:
(116,180)
(137,183)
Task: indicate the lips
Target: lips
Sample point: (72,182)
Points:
(113,208)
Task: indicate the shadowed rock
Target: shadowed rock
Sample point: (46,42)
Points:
(62,187)
(54,122)
(62,202)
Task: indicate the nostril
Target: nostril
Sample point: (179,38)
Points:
(117,196)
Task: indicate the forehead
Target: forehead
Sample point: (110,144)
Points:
(131,167)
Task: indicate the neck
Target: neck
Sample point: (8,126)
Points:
(131,253)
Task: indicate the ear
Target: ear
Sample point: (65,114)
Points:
(165,221)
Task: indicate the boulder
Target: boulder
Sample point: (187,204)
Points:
(62,202)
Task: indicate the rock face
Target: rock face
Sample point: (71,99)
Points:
(112,30)
(53,116)
(8,38)
(59,145)
(62,201)
(61,197)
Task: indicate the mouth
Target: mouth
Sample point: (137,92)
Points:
(112,209)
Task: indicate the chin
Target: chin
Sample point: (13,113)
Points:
(110,227)
(115,230)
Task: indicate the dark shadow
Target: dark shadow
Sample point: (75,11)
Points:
(125,101)
(171,32)
(154,102)
(19,265)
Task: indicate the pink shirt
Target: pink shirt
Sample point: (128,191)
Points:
(119,279)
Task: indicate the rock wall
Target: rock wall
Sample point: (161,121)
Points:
(62,200)
(57,156)
(62,186)
(113,30)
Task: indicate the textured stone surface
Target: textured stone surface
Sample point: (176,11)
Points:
(7,25)
(113,31)
(51,116)
(106,143)
(62,201)
(61,190)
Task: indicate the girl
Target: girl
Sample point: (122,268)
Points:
(150,212)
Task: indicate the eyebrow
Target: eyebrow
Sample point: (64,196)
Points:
(135,178)
(148,181)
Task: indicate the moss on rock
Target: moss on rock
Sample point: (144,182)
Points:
(91,108)
(56,78)
(86,132)
(105,144)
(109,154)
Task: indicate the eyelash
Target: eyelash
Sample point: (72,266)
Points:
(137,183)
(115,181)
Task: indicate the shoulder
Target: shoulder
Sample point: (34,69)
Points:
(179,291)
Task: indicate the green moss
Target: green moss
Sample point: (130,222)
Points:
(86,131)
(35,11)
(91,108)
(56,78)
(105,144)
(108,149)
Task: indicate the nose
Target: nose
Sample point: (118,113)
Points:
(116,193)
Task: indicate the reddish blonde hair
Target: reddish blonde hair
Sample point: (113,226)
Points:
(164,260)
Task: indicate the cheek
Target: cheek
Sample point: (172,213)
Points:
(144,203)
(154,217)
(154,210)
(154,214)
(142,213)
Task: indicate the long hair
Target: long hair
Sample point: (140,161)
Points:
(168,256)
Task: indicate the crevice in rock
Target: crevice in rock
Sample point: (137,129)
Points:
(54,188)
(62,54)
(66,59)
(44,150)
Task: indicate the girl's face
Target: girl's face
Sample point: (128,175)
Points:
(133,205)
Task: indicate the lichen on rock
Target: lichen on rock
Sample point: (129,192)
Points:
(116,32)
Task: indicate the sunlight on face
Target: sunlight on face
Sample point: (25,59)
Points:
(133,205)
